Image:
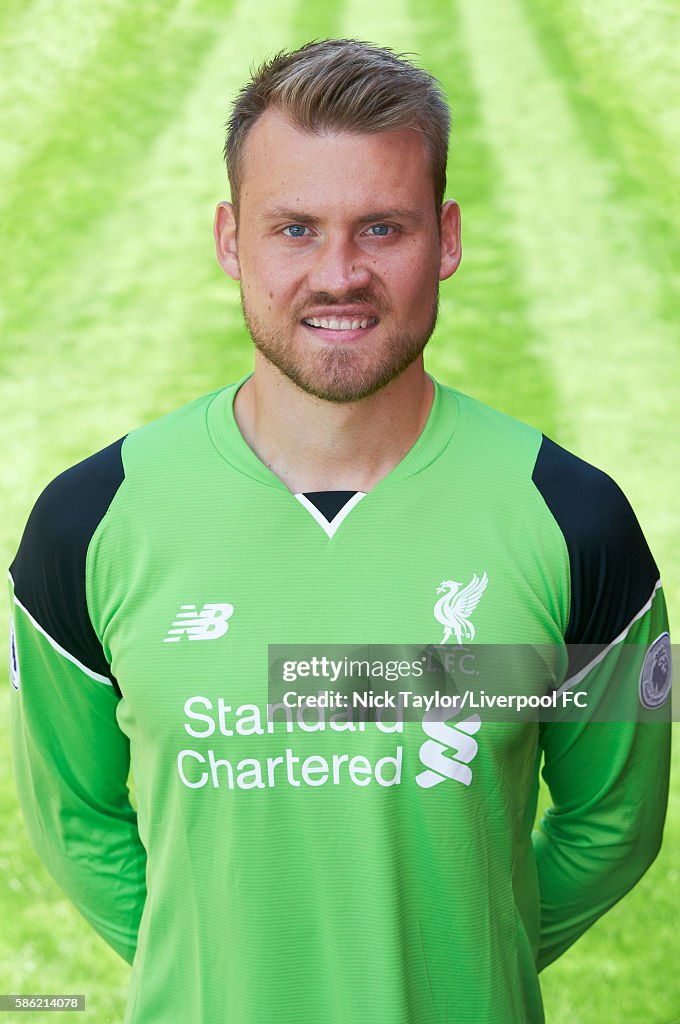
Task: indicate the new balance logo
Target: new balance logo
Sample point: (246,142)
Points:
(208,624)
(449,750)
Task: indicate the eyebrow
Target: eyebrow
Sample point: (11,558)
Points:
(300,217)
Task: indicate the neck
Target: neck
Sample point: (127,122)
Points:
(315,445)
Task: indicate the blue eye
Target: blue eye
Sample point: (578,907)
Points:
(295,230)
(379,230)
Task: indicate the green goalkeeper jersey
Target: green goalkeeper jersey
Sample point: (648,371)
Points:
(306,866)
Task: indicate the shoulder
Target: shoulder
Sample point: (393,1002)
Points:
(587,503)
(185,421)
(73,502)
(613,573)
(68,511)
(496,451)
(589,506)
(48,572)
(485,421)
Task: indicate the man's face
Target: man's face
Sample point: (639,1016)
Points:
(338,252)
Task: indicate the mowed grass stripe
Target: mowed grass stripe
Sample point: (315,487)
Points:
(110,114)
(629,93)
(594,294)
(631,52)
(11,12)
(484,339)
(604,94)
(43,46)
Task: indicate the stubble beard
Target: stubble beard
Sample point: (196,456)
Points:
(340,373)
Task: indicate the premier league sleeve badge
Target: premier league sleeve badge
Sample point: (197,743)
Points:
(656,674)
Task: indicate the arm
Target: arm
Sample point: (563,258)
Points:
(609,786)
(608,778)
(71,758)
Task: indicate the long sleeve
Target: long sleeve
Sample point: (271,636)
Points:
(609,786)
(71,759)
(608,778)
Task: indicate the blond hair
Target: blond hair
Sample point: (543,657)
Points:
(342,85)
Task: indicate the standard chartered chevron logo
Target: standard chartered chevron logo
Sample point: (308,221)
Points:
(208,624)
(448,750)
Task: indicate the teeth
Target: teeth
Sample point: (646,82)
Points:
(339,325)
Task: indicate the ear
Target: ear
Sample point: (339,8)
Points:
(450,239)
(225,240)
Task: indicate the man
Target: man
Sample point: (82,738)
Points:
(290,867)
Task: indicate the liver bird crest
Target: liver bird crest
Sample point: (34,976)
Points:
(454,609)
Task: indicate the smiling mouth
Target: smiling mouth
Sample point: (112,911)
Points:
(334,324)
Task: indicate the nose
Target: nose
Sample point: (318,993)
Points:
(338,267)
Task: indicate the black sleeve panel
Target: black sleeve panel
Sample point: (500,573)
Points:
(49,567)
(612,569)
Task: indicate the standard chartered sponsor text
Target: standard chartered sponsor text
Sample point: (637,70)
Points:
(199,769)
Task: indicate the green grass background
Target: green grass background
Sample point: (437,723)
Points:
(564,312)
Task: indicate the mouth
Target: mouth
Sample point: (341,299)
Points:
(340,324)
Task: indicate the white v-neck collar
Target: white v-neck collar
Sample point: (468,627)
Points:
(330,527)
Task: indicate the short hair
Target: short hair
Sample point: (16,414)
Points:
(342,85)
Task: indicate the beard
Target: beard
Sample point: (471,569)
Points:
(345,372)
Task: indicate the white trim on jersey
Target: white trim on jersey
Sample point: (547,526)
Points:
(57,647)
(330,528)
(574,680)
